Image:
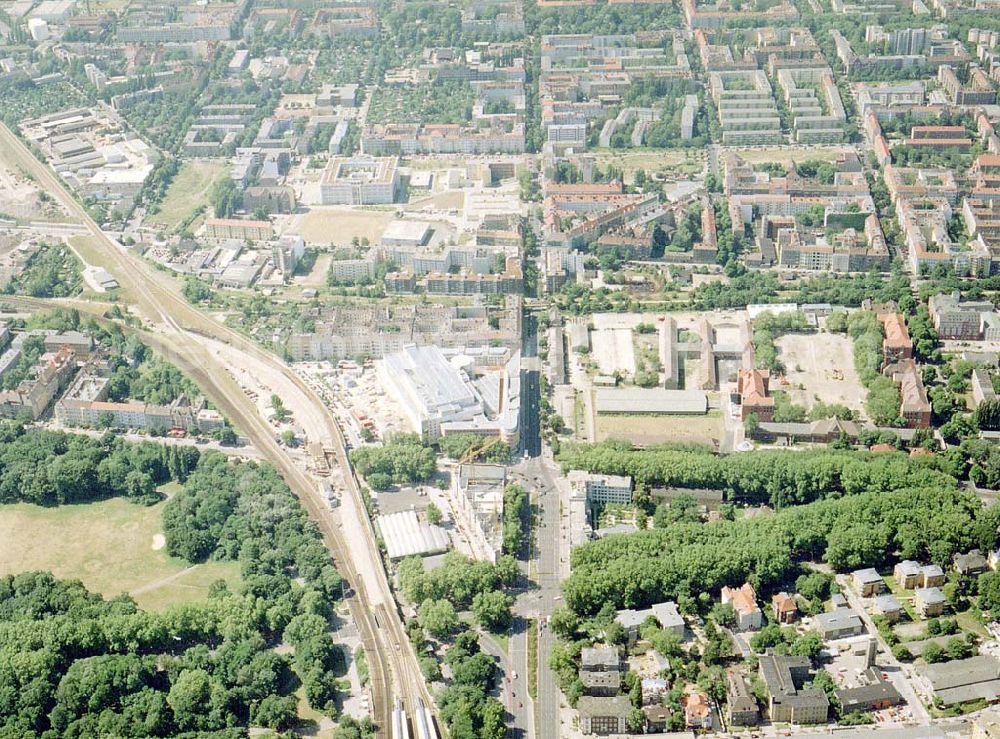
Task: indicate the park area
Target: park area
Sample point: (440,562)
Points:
(819,367)
(189,191)
(649,430)
(668,162)
(112,546)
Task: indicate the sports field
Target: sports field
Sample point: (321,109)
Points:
(112,546)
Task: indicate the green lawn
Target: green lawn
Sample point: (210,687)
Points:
(905,597)
(969,621)
(109,546)
(189,189)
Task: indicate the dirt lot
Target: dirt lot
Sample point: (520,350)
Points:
(340,225)
(810,361)
(110,547)
(649,430)
(614,350)
(21,199)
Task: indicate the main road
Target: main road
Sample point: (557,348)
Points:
(215,356)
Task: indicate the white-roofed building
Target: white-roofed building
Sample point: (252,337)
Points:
(457,394)
(405,535)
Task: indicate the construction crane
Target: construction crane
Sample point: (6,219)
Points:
(478,450)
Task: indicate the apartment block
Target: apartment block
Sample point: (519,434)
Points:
(747,112)
(360,180)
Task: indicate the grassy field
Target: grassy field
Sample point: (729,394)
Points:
(190,189)
(648,430)
(675,161)
(109,546)
(824,153)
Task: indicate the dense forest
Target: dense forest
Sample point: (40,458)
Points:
(773,477)
(53,468)
(73,664)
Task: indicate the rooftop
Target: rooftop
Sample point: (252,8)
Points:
(405,535)
(650,400)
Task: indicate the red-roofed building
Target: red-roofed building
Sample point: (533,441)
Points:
(897,343)
(752,388)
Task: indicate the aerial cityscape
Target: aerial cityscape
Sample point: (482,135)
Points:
(543,369)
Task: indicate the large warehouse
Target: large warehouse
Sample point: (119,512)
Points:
(965,680)
(455,393)
(650,401)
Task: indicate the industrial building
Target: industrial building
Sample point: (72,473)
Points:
(452,393)
(964,680)
(650,401)
(790,702)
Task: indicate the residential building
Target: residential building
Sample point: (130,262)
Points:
(502,134)
(915,408)
(929,602)
(603,715)
(600,683)
(971,563)
(978,91)
(897,344)
(601,658)
(741,706)
(939,137)
(785,608)
(657,717)
(747,111)
(982,386)
(889,607)
(813,99)
(43,382)
(234,228)
(697,710)
(934,576)
(908,574)
(744,603)
(867,582)
(666,614)
(598,489)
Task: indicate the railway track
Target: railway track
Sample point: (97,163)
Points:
(176,327)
